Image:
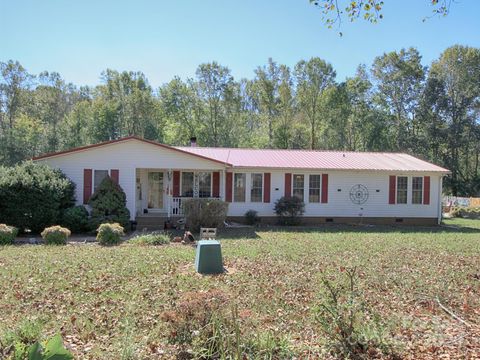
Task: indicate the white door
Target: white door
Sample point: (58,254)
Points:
(155,190)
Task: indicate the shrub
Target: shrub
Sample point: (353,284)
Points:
(353,331)
(55,235)
(15,343)
(110,234)
(108,204)
(251,217)
(289,210)
(7,234)
(33,196)
(76,219)
(204,213)
(154,238)
(469,213)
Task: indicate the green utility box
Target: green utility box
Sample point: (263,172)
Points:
(208,259)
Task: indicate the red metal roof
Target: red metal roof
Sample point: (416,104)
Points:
(289,159)
(312,159)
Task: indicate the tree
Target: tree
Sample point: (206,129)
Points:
(399,84)
(182,109)
(109,204)
(313,78)
(219,94)
(15,83)
(334,11)
(453,97)
(265,90)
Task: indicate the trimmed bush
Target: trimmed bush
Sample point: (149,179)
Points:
(109,204)
(110,234)
(204,213)
(251,217)
(76,219)
(7,234)
(33,196)
(55,235)
(289,210)
(154,238)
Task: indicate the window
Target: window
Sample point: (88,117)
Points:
(417,190)
(98,177)
(402,186)
(239,187)
(204,184)
(256,188)
(187,184)
(298,186)
(314,189)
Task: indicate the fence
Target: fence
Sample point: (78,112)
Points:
(457,201)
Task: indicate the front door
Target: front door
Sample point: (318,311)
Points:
(155,190)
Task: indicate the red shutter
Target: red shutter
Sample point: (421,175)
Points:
(266,187)
(87,185)
(392,189)
(288,185)
(176,183)
(426,190)
(114,174)
(324,188)
(228,186)
(216,184)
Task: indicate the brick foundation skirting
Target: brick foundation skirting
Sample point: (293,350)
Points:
(310,220)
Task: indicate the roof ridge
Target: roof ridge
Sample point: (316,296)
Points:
(304,150)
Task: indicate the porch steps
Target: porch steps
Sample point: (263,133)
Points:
(153,222)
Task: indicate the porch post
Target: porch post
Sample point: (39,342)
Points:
(169,192)
(222,185)
(133,213)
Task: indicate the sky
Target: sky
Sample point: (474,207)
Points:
(167,38)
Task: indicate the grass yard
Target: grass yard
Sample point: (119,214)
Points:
(118,302)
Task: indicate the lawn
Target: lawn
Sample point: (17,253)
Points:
(422,285)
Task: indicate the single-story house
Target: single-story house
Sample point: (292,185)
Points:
(336,186)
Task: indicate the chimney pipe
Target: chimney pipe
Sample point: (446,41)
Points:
(193,141)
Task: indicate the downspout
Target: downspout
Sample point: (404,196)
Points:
(440,192)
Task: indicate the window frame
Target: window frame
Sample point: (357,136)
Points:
(211,183)
(418,191)
(244,188)
(95,186)
(319,188)
(398,189)
(181,183)
(261,187)
(294,188)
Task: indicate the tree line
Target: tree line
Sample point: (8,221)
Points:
(395,104)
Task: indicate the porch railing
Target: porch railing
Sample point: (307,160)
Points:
(176,205)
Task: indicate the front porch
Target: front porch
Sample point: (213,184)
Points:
(160,192)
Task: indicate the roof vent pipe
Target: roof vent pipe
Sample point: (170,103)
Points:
(193,141)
